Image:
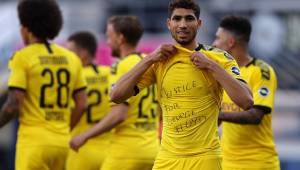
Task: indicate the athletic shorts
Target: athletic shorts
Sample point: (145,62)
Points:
(41,158)
(189,163)
(89,157)
(126,164)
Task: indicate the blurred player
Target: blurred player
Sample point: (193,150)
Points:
(92,154)
(43,80)
(190,79)
(134,142)
(247,139)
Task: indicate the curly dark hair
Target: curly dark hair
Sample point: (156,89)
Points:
(238,26)
(186,4)
(129,26)
(85,40)
(43,18)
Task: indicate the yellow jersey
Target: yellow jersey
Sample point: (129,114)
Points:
(138,133)
(97,78)
(252,145)
(190,99)
(49,77)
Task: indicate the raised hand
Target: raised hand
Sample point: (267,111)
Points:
(163,52)
(201,61)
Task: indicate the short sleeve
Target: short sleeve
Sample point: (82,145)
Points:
(147,79)
(18,72)
(264,89)
(231,66)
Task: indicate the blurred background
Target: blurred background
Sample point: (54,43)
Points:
(275,38)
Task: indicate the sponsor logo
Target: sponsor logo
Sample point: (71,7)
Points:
(263,91)
(235,70)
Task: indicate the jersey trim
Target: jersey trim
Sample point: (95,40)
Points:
(16,88)
(136,90)
(242,80)
(48,47)
(95,68)
(251,62)
(265,109)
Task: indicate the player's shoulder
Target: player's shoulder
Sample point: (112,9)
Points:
(133,57)
(216,53)
(129,61)
(263,68)
(104,69)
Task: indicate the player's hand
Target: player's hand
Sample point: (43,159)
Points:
(162,53)
(77,142)
(201,61)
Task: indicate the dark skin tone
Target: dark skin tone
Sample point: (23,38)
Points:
(227,41)
(11,108)
(252,116)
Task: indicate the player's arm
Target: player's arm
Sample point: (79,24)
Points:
(125,87)
(11,107)
(251,116)
(80,99)
(239,93)
(117,115)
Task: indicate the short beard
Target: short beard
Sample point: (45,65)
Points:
(183,42)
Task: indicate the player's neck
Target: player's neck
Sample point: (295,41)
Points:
(34,40)
(242,56)
(126,50)
(191,46)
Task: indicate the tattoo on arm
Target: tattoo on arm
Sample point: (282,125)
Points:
(11,107)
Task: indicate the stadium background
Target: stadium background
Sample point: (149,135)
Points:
(275,38)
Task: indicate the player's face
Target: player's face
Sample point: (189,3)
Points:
(223,40)
(183,25)
(113,40)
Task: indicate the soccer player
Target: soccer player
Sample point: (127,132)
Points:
(247,139)
(43,80)
(134,142)
(190,79)
(92,154)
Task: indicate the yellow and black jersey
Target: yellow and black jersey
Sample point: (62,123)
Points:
(139,131)
(49,77)
(97,78)
(256,149)
(92,154)
(190,99)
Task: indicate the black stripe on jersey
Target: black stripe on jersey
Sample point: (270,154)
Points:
(251,62)
(199,47)
(242,81)
(16,88)
(265,109)
(264,68)
(78,90)
(48,47)
(94,66)
(136,90)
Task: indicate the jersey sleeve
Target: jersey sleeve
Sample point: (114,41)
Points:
(80,82)
(264,88)
(226,61)
(120,68)
(147,79)
(18,75)
(231,66)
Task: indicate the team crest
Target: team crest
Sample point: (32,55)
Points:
(264,91)
(235,70)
